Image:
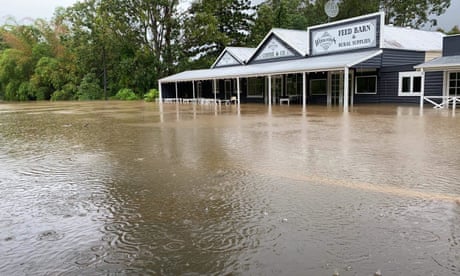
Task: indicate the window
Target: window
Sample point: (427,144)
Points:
(318,86)
(366,85)
(293,81)
(454,84)
(256,87)
(410,83)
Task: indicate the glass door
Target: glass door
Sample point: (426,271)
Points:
(228,89)
(336,88)
(277,88)
(454,84)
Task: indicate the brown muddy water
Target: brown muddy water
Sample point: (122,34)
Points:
(122,188)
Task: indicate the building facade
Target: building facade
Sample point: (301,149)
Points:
(449,66)
(352,61)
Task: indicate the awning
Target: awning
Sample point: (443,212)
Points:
(446,63)
(309,64)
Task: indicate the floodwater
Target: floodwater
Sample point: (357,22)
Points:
(97,188)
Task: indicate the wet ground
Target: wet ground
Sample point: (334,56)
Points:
(96,188)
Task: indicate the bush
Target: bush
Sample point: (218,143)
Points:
(66,93)
(126,94)
(152,95)
(89,88)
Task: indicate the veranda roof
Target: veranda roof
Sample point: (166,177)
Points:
(441,64)
(411,39)
(311,64)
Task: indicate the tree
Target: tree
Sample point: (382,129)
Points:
(93,40)
(156,28)
(127,44)
(455,30)
(23,49)
(287,14)
(415,13)
(352,8)
(300,14)
(212,25)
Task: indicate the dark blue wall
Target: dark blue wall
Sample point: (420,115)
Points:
(393,62)
(433,83)
(451,45)
(392,57)
(388,84)
(375,62)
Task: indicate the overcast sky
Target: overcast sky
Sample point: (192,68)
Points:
(32,9)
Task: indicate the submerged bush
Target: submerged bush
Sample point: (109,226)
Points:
(126,94)
(152,95)
(89,88)
(66,93)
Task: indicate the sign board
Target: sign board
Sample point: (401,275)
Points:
(274,49)
(344,37)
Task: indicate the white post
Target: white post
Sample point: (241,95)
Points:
(422,89)
(193,89)
(304,91)
(353,87)
(269,90)
(329,88)
(160,92)
(346,72)
(215,91)
(445,86)
(238,90)
(341,87)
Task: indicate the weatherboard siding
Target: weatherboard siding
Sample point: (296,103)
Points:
(392,57)
(451,46)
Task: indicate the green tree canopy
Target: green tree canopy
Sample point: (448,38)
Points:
(94,48)
(211,25)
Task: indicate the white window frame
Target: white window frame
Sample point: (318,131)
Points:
(457,88)
(410,75)
(366,93)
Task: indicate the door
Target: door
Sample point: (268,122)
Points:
(228,89)
(454,84)
(336,88)
(277,88)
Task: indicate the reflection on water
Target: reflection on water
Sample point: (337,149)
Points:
(135,188)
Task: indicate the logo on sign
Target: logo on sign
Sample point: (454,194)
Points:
(325,41)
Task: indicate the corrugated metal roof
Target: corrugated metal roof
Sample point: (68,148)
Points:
(411,39)
(320,63)
(241,53)
(297,39)
(441,63)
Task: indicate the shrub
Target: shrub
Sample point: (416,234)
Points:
(66,93)
(126,94)
(89,88)
(152,95)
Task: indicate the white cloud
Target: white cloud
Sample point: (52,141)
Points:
(27,9)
